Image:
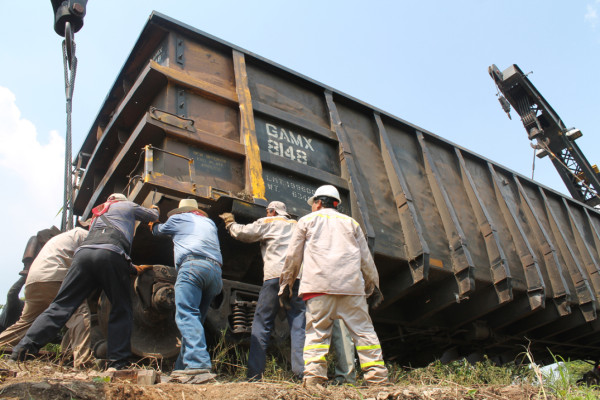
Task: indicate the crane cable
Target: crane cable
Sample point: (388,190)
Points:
(533,163)
(70,68)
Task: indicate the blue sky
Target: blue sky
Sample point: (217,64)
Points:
(425,62)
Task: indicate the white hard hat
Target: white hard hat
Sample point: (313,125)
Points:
(278,207)
(325,190)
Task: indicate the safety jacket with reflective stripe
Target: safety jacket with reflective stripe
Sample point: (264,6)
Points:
(335,255)
(274,234)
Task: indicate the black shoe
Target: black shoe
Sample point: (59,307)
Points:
(118,364)
(22,354)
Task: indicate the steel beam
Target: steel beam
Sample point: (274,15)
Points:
(536,290)
(585,294)
(462,262)
(255,185)
(347,157)
(417,250)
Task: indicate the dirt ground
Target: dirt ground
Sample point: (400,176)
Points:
(45,380)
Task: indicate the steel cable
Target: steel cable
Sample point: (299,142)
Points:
(70,68)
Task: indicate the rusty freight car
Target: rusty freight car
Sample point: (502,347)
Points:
(473,258)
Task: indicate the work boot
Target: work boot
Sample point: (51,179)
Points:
(190,371)
(192,376)
(381,383)
(314,381)
(118,365)
(22,353)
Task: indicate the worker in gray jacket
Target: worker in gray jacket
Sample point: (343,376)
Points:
(274,233)
(103,262)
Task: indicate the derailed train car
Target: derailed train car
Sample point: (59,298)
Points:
(473,258)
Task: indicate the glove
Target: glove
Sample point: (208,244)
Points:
(375,299)
(228,218)
(151,225)
(285,298)
(140,269)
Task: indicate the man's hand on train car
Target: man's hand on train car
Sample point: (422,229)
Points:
(151,224)
(285,298)
(228,218)
(375,298)
(140,269)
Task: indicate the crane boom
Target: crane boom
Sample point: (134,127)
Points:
(551,136)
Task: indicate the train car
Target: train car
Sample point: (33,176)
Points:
(474,259)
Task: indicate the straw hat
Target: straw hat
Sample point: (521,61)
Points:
(186,205)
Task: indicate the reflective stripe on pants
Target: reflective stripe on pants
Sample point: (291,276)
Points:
(320,313)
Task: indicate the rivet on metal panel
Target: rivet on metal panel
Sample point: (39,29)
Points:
(179,52)
(181,103)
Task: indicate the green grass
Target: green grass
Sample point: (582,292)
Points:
(563,384)
(230,361)
(459,372)
(471,376)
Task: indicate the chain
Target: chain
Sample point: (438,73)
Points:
(70,67)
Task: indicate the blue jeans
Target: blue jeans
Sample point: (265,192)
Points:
(264,322)
(198,282)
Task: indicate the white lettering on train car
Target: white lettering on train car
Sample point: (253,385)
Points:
(285,144)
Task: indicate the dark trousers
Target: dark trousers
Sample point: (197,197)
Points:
(267,308)
(91,269)
(14,305)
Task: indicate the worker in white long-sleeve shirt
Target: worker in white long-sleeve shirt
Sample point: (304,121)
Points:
(274,233)
(338,276)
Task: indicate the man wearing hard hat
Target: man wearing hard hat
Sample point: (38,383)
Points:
(274,233)
(198,262)
(338,276)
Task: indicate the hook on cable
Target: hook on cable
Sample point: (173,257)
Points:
(69,43)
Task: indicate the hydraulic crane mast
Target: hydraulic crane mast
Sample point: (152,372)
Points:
(552,137)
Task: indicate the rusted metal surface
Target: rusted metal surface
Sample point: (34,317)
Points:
(472,257)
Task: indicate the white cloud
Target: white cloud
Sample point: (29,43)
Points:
(39,165)
(591,16)
(31,175)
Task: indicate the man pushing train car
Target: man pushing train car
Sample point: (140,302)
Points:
(103,262)
(274,233)
(198,262)
(44,279)
(338,275)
